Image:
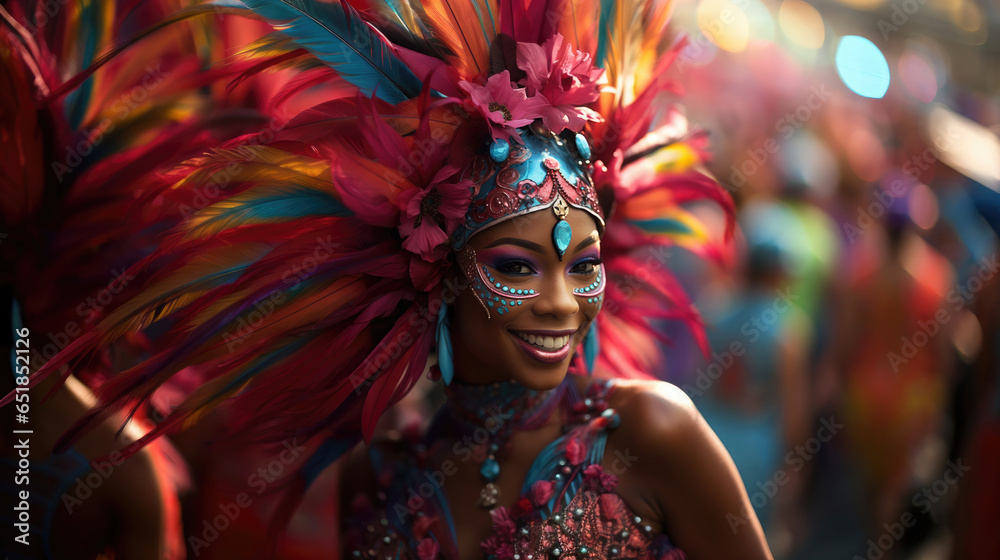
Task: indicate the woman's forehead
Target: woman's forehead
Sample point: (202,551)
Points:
(537,227)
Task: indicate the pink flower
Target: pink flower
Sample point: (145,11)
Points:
(431,214)
(489,546)
(427,549)
(596,478)
(565,78)
(503,525)
(505,551)
(541,491)
(575,451)
(611,507)
(504,107)
(521,508)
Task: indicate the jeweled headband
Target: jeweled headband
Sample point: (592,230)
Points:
(548,171)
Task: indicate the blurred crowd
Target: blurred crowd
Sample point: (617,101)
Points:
(853,373)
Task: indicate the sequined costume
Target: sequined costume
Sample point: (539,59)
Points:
(567,508)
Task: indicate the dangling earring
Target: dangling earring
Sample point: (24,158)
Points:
(591,347)
(443,338)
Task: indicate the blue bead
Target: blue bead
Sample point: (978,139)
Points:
(531,291)
(490,303)
(520,302)
(497,284)
(490,469)
(500,149)
(496,298)
(582,146)
(562,234)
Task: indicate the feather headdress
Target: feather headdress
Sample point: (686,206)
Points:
(304,281)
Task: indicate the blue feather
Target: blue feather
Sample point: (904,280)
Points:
(92,25)
(296,204)
(337,35)
(661,225)
(603,28)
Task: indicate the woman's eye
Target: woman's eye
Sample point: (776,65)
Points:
(585,267)
(514,269)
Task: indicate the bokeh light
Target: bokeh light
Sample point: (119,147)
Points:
(802,24)
(725,24)
(862,67)
(918,76)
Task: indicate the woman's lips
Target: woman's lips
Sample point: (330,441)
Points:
(558,342)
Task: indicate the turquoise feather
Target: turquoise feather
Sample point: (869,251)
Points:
(335,33)
(661,225)
(604,24)
(77,101)
(285,204)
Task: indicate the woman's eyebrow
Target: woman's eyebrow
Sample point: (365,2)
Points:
(585,243)
(531,246)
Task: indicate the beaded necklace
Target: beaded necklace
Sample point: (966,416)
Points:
(486,416)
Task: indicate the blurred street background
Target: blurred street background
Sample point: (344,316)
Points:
(854,368)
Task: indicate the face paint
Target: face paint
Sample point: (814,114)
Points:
(594,292)
(492,293)
(498,293)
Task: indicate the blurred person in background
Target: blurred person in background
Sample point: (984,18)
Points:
(896,365)
(760,406)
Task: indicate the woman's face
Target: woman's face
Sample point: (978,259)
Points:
(541,305)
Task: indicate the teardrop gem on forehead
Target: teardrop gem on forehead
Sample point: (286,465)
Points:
(562,233)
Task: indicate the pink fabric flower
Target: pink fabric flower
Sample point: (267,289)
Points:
(504,107)
(427,549)
(505,551)
(611,507)
(431,214)
(541,491)
(565,78)
(503,526)
(598,479)
(489,546)
(575,451)
(521,508)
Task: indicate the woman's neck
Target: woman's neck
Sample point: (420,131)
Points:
(497,410)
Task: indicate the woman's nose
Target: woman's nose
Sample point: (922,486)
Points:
(557,299)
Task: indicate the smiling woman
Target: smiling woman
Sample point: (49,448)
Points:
(486,187)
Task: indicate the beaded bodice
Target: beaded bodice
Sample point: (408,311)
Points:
(567,507)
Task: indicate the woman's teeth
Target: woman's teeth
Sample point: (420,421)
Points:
(548,342)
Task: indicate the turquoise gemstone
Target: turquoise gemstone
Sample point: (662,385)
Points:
(500,149)
(490,469)
(561,236)
(582,146)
